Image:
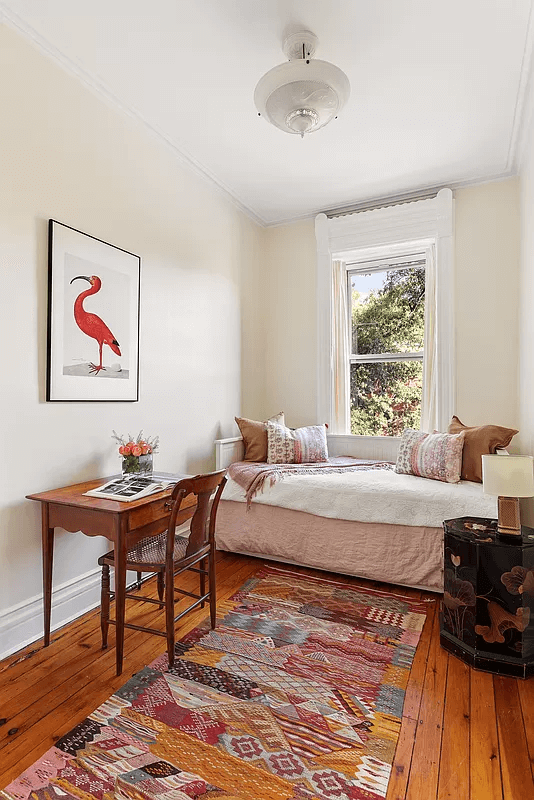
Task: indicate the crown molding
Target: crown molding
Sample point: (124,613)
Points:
(524,112)
(100,88)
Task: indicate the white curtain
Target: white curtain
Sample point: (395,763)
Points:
(340,350)
(430,399)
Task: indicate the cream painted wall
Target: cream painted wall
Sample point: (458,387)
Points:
(65,154)
(254,312)
(487,275)
(486,303)
(288,317)
(526,349)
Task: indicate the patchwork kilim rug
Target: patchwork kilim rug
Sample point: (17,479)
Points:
(297,694)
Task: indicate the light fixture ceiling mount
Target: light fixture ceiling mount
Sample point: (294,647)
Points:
(303,94)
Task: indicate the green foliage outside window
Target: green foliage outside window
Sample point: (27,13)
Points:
(386,396)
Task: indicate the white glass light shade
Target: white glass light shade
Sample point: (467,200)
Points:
(300,97)
(508,476)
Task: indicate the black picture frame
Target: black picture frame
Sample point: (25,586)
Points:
(94,293)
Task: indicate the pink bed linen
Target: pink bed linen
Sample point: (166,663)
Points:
(399,554)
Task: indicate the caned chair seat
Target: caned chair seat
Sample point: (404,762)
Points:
(168,555)
(151,551)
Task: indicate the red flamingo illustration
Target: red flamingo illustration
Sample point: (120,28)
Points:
(91,324)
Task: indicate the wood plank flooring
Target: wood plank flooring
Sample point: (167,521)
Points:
(465,734)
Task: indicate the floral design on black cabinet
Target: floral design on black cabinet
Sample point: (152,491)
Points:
(488,601)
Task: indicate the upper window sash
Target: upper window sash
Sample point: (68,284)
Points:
(381,264)
(385,263)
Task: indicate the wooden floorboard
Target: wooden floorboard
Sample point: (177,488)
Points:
(454,773)
(485,762)
(424,770)
(465,734)
(526,696)
(513,748)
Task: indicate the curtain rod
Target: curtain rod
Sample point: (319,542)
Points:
(394,200)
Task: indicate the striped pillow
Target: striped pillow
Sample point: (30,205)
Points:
(431,455)
(298,446)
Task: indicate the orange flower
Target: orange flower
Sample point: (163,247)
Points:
(144,447)
(125,450)
(136,450)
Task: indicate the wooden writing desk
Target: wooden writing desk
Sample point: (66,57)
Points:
(124,524)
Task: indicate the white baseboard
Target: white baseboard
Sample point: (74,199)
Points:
(22,624)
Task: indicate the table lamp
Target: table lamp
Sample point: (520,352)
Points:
(509,477)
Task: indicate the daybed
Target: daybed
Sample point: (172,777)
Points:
(373,524)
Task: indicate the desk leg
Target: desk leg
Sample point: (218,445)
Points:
(48,557)
(120,592)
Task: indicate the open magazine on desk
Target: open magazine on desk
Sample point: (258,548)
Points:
(127,489)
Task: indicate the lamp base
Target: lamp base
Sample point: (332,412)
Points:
(509,523)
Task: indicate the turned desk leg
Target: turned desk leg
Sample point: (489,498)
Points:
(104,605)
(48,557)
(120,592)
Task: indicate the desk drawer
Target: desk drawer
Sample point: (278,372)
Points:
(159,510)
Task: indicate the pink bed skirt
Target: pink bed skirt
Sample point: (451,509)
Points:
(400,554)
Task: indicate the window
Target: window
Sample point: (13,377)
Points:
(386,319)
(413,227)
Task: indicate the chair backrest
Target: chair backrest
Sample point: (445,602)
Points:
(208,489)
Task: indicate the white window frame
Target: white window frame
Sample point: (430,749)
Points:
(390,228)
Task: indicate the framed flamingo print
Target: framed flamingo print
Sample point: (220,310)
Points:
(93,318)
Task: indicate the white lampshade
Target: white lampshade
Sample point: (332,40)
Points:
(508,476)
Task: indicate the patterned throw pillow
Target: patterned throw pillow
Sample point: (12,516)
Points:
(299,446)
(431,455)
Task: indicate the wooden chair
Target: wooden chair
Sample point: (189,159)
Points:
(168,555)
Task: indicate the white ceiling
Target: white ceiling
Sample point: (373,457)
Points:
(437,89)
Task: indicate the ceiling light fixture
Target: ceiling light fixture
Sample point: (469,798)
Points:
(304,94)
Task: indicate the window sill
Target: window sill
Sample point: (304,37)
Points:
(380,448)
(360,437)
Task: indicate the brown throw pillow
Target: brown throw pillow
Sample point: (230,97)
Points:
(479,441)
(255,436)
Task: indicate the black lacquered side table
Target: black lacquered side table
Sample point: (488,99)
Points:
(487,615)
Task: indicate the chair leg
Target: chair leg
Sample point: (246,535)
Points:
(139,576)
(202,565)
(169,614)
(161,586)
(213,588)
(104,605)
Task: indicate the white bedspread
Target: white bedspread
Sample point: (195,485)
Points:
(375,496)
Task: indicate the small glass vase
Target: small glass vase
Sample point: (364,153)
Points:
(136,466)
